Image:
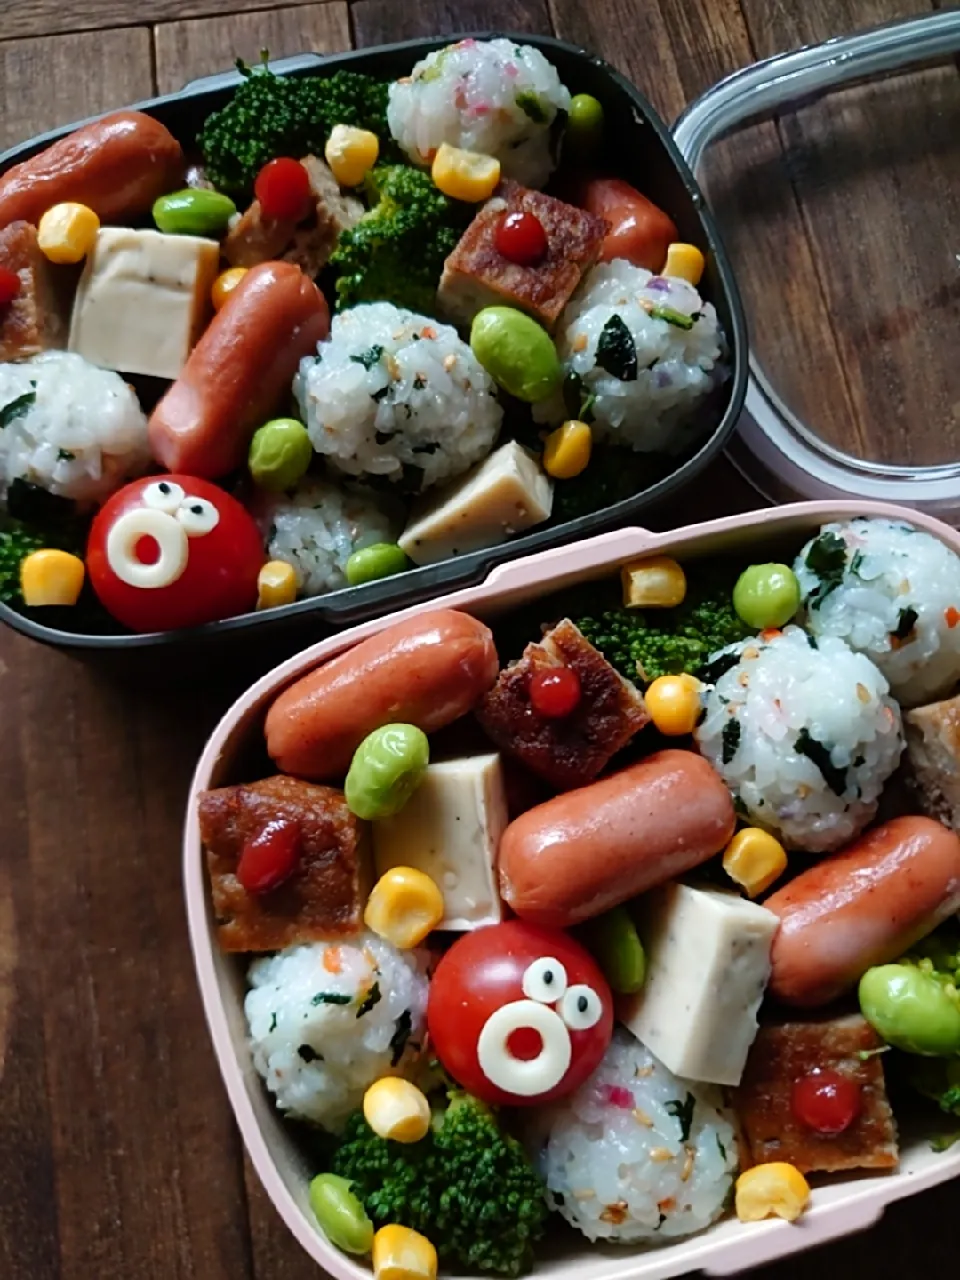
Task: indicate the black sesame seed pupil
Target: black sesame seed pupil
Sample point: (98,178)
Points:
(548,978)
(583,1004)
(164,487)
(197,509)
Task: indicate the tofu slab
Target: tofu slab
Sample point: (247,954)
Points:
(933,758)
(708,962)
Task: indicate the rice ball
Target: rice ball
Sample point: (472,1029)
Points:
(397,395)
(323,1029)
(891,592)
(70,428)
(648,348)
(804,733)
(492,96)
(637,1154)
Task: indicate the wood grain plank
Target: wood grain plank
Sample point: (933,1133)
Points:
(50,17)
(202,46)
(383,21)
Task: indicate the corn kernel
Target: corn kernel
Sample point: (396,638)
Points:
(771,1190)
(754,859)
(51,577)
(685,261)
(225,284)
(402,1254)
(276,585)
(67,232)
(351,153)
(465,175)
(397,1110)
(566,451)
(657,582)
(404,906)
(674,704)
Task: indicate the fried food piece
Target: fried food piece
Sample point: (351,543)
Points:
(933,759)
(36,319)
(326,893)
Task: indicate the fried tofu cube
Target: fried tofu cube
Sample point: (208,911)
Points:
(571,751)
(933,759)
(477,275)
(326,893)
(785,1052)
(35,320)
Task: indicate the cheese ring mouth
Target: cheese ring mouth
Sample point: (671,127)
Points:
(167,535)
(525,1077)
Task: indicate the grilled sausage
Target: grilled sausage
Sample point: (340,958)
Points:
(639,232)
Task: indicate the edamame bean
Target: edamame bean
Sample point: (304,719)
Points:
(386,769)
(193,212)
(517,353)
(378,561)
(584,123)
(280,453)
(767,595)
(340,1214)
(911,1009)
(616,945)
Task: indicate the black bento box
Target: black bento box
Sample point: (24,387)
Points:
(642,152)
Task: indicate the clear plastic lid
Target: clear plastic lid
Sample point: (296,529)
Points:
(834,175)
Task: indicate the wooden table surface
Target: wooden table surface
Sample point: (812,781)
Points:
(118,1156)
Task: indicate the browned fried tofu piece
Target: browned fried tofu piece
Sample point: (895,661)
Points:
(477,275)
(325,895)
(566,752)
(785,1052)
(35,321)
(933,759)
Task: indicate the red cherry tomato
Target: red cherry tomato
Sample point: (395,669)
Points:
(270,858)
(520,237)
(9,286)
(555,694)
(283,189)
(826,1102)
(173,551)
(519,1015)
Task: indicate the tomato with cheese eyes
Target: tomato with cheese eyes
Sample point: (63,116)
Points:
(174,551)
(519,1015)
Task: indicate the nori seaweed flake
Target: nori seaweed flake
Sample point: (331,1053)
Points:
(818,754)
(401,1034)
(617,351)
(730,739)
(905,625)
(827,558)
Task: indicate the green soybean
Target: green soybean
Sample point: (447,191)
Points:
(517,353)
(767,595)
(912,1009)
(280,453)
(341,1214)
(193,212)
(584,124)
(381,560)
(386,769)
(616,945)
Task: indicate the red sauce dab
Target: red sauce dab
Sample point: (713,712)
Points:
(270,857)
(826,1102)
(520,237)
(9,286)
(555,693)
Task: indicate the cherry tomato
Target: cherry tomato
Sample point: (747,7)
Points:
(9,286)
(283,189)
(270,857)
(826,1102)
(519,1015)
(555,694)
(520,237)
(174,551)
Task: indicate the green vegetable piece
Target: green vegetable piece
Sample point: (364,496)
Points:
(381,560)
(14,409)
(767,595)
(386,769)
(672,316)
(584,124)
(616,945)
(193,212)
(341,1214)
(913,1009)
(532,106)
(516,352)
(937,1079)
(280,453)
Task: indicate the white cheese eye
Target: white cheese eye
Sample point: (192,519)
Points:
(581,1008)
(545,980)
(168,540)
(198,516)
(164,495)
(525,1077)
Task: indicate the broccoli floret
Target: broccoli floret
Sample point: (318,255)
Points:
(16,543)
(612,476)
(937,1079)
(270,116)
(467,1186)
(396,252)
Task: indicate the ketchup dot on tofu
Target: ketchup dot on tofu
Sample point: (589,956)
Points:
(270,857)
(9,286)
(826,1102)
(520,237)
(283,189)
(555,694)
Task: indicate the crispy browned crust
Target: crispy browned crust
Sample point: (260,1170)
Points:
(326,894)
(572,751)
(34,321)
(477,270)
(933,758)
(781,1054)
